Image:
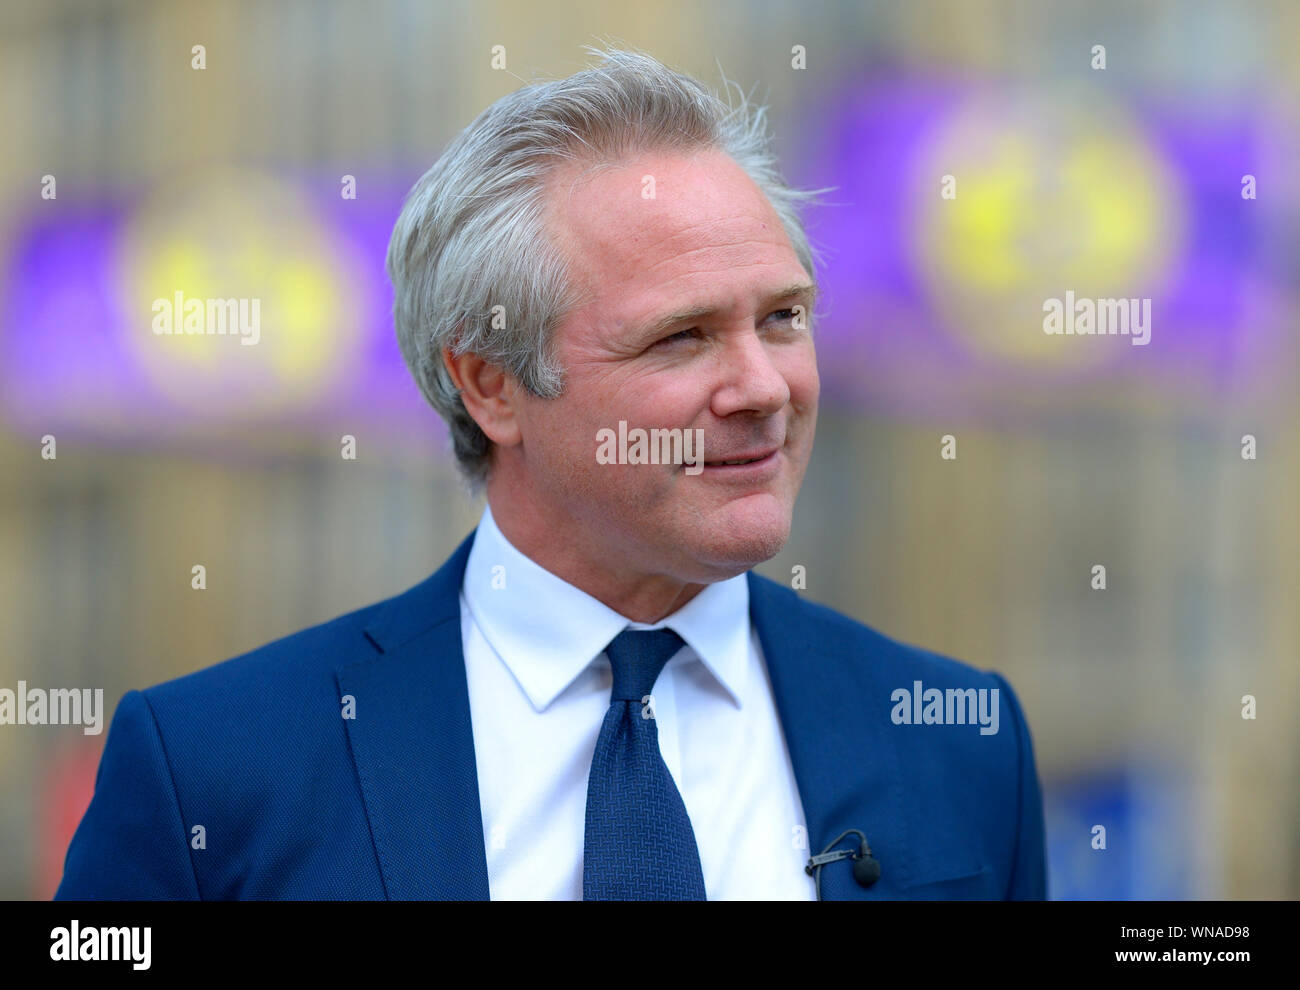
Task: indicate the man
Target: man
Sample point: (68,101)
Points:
(594,697)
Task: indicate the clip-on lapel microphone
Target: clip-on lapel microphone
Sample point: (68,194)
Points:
(866,868)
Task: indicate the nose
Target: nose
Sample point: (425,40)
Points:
(751,380)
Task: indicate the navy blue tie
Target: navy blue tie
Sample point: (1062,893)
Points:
(639,845)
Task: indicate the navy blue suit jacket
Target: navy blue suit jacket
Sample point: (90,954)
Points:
(292,800)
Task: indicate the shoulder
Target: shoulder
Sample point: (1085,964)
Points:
(260,730)
(311,657)
(855,648)
(283,665)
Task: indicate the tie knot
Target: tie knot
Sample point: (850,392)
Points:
(637,657)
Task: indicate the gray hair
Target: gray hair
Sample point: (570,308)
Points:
(472,265)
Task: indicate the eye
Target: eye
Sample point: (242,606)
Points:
(784,315)
(680,336)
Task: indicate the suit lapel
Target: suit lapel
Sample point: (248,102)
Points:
(834,716)
(413,744)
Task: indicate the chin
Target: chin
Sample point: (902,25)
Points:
(743,536)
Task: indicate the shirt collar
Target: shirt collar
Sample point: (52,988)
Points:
(547,631)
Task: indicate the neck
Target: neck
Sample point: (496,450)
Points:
(641,597)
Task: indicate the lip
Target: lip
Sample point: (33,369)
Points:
(764,466)
(755,455)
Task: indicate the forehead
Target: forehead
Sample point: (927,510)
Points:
(707,236)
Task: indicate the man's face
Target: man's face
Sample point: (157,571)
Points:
(741,369)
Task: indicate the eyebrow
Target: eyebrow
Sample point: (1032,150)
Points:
(806,289)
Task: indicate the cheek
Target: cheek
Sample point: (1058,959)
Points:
(676,399)
(567,432)
(557,444)
(800,373)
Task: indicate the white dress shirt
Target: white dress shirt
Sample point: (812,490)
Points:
(539,687)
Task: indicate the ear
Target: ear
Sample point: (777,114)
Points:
(489,393)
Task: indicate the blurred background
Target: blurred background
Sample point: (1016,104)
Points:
(1124,181)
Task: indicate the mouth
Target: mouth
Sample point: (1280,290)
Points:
(743,460)
(755,459)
